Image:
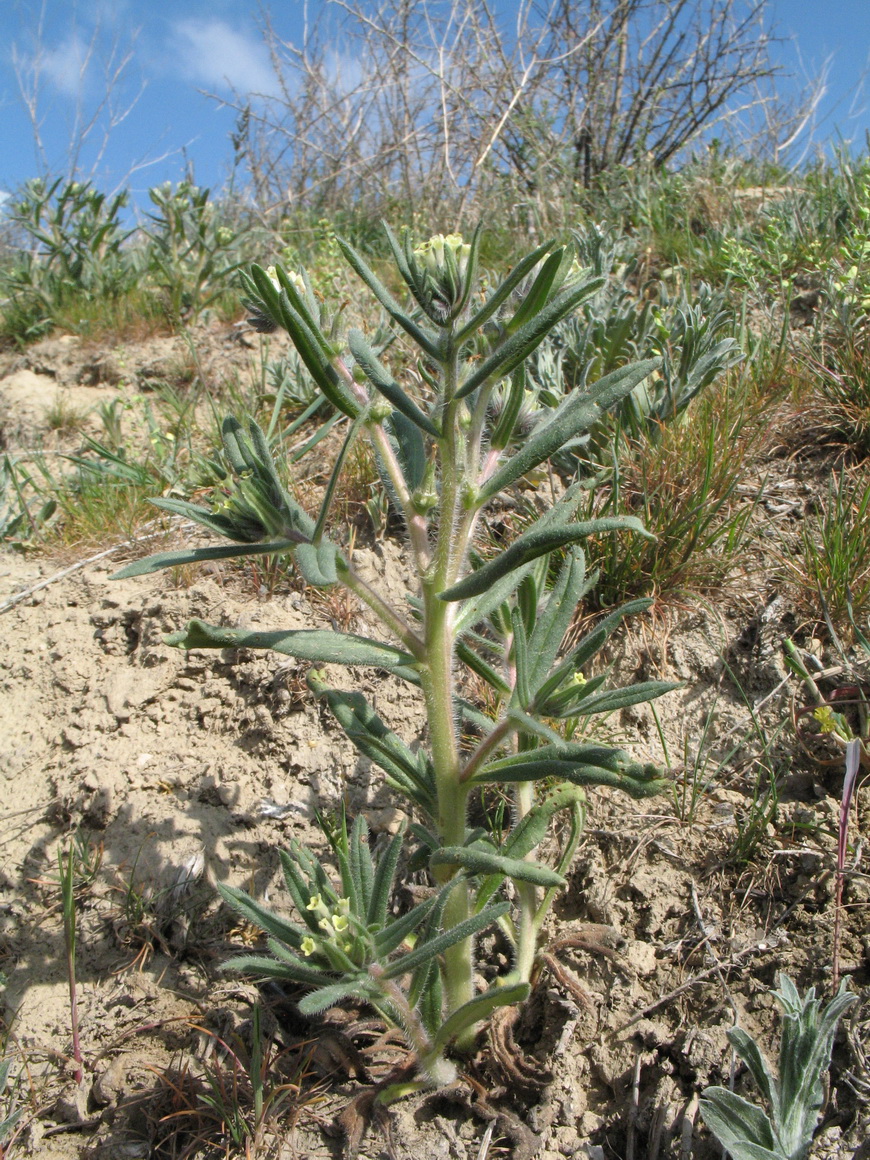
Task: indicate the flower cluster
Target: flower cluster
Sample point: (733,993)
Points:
(333,923)
(441,268)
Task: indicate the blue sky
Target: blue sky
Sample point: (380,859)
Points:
(63,50)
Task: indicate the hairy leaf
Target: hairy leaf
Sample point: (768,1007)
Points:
(308,644)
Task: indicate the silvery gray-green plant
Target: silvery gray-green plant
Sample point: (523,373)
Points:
(794,1102)
(73,248)
(690,334)
(192,249)
(445,455)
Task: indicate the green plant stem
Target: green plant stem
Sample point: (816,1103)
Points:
(452,795)
(527,895)
(438,689)
(384,611)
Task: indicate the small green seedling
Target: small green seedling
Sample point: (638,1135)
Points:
(743,1128)
(446,454)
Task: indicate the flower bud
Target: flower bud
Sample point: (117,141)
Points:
(441,268)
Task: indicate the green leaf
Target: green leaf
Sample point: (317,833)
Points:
(483,669)
(383,381)
(362,866)
(531,830)
(478,609)
(320,526)
(750,1053)
(504,430)
(265,968)
(307,644)
(410,448)
(423,339)
(396,932)
(477,1009)
(516,349)
(503,291)
(382,886)
(804,1056)
(556,617)
(568,700)
(577,763)
(198,555)
(329,996)
(737,1123)
(220,525)
(318,565)
(477,860)
(522,692)
(309,342)
(436,946)
(287,932)
(614,699)
(577,413)
(373,739)
(558,263)
(537,542)
(587,647)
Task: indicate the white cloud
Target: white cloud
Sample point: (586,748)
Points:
(65,65)
(214,54)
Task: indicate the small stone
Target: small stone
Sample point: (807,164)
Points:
(71,1106)
(110,1084)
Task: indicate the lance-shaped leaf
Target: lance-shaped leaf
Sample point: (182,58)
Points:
(476,610)
(297,970)
(221,525)
(337,467)
(307,644)
(742,1128)
(304,877)
(507,420)
(577,763)
(503,291)
(537,542)
(326,997)
(531,830)
(422,337)
(410,448)
(393,935)
(374,740)
(754,1058)
(481,607)
(548,279)
(383,381)
(804,1056)
(522,690)
(555,619)
(478,665)
(516,349)
(584,705)
(476,1010)
(361,865)
(442,942)
(382,885)
(308,341)
(587,648)
(576,414)
(287,932)
(199,555)
(477,860)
